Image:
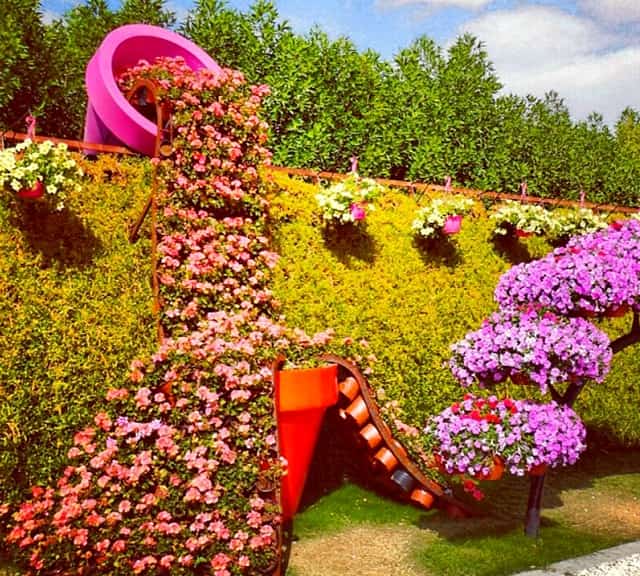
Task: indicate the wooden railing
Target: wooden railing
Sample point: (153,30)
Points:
(421,187)
(411,187)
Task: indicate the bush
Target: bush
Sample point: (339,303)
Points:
(76,308)
(411,305)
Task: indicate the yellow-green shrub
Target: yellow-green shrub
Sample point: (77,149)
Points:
(75,310)
(412,301)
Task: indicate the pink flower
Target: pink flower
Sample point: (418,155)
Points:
(357,211)
(220,561)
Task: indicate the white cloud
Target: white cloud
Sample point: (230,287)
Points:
(48,16)
(434,4)
(536,49)
(614,11)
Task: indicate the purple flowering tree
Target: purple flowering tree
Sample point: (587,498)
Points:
(541,335)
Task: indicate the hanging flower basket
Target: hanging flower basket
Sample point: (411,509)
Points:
(39,171)
(35,192)
(452,224)
(441,217)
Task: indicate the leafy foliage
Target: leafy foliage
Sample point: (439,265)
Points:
(412,305)
(426,114)
(76,309)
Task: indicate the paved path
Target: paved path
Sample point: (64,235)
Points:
(622,560)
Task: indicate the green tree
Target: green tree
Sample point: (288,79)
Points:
(146,12)
(623,174)
(412,126)
(467,88)
(24,51)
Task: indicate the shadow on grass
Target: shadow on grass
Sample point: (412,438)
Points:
(348,242)
(511,249)
(61,238)
(340,459)
(440,251)
(504,506)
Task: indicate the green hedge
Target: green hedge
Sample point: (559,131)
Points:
(411,302)
(75,310)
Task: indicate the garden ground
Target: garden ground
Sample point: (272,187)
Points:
(594,505)
(350,530)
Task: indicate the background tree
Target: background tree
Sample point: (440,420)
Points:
(24,47)
(423,115)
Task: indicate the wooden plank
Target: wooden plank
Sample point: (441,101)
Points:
(388,439)
(74,144)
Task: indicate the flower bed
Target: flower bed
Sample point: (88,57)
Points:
(544,347)
(166,479)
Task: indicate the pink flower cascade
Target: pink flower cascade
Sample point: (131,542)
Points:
(164,481)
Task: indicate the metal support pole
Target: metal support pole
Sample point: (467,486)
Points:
(536,486)
(532,521)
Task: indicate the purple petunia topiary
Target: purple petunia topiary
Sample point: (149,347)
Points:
(535,343)
(593,274)
(468,436)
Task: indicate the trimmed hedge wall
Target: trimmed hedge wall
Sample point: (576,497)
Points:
(412,301)
(75,310)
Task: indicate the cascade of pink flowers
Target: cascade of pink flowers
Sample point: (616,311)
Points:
(164,480)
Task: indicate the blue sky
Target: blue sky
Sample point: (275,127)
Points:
(586,50)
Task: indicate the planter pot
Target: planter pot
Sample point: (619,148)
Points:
(266,487)
(538,470)
(452,224)
(521,379)
(616,311)
(33,193)
(403,480)
(357,412)
(586,313)
(349,388)
(496,472)
(385,460)
(371,436)
(422,498)
(302,396)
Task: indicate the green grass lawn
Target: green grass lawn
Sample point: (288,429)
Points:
(591,506)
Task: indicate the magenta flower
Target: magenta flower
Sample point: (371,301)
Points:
(467,436)
(357,211)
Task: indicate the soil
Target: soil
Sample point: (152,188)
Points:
(359,551)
